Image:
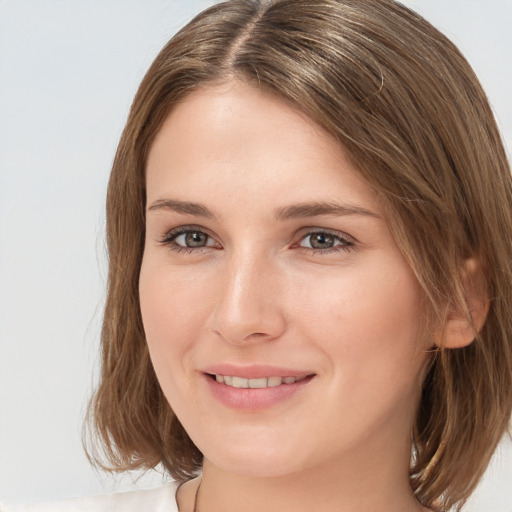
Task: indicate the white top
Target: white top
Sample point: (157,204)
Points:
(159,499)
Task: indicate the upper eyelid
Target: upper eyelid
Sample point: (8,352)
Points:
(179,230)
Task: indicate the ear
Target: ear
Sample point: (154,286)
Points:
(459,329)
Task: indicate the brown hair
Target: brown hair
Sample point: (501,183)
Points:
(407,107)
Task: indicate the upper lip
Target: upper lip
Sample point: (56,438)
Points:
(255,371)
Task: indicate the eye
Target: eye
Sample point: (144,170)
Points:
(325,241)
(193,239)
(188,238)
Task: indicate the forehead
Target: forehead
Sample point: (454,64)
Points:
(238,140)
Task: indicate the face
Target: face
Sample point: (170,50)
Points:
(281,319)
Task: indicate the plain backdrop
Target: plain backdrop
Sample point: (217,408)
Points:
(68,72)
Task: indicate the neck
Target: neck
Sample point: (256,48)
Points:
(351,483)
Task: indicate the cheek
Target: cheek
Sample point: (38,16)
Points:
(369,330)
(366,320)
(173,308)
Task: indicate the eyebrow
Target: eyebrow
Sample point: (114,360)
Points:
(313,209)
(301,210)
(185,207)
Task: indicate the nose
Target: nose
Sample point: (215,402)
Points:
(249,304)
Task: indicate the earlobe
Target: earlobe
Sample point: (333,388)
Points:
(460,329)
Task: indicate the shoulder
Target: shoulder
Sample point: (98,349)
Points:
(158,499)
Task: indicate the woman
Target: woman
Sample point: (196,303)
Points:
(308,221)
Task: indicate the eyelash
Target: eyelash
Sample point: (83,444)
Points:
(345,242)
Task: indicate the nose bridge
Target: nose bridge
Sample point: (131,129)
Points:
(248,305)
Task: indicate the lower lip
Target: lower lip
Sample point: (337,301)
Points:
(254,399)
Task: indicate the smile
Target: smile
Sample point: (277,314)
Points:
(256,393)
(264,382)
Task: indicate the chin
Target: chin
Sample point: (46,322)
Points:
(256,459)
(258,467)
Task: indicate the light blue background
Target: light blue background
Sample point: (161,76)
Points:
(68,72)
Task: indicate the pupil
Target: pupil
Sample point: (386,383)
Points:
(195,239)
(322,240)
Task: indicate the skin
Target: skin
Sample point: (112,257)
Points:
(257,291)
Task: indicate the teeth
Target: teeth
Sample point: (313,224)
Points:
(274,381)
(258,383)
(240,382)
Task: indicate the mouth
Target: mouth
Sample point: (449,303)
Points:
(259,383)
(257,387)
